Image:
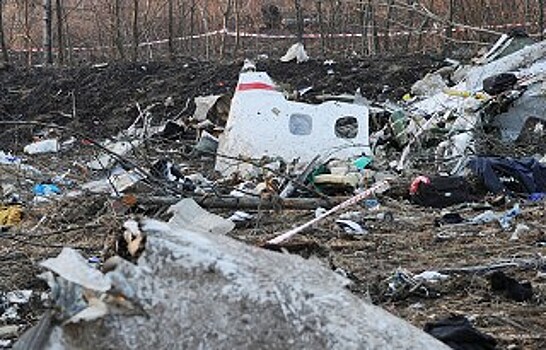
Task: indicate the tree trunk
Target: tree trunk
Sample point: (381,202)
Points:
(375,36)
(321,27)
(410,22)
(182,24)
(118,35)
(171,29)
(205,15)
(192,26)
(449,27)
(60,42)
(237,27)
(299,21)
(227,15)
(527,14)
(68,39)
(390,11)
(135,30)
(3,46)
(541,18)
(48,54)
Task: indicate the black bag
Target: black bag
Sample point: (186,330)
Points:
(499,83)
(442,191)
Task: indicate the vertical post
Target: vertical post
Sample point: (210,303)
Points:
(135,30)
(48,54)
(3,46)
(60,42)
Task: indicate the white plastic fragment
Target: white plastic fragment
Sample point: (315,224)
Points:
(19,296)
(430,276)
(8,159)
(297,52)
(187,214)
(520,230)
(240,216)
(70,265)
(107,160)
(351,227)
(44,146)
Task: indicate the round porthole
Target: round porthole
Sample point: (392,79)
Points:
(346,127)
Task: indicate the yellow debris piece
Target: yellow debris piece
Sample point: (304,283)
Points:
(10,215)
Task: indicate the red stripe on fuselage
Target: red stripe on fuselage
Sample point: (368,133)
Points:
(254,86)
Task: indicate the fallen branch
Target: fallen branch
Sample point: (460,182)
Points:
(520,263)
(248,202)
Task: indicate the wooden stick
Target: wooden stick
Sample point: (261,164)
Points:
(377,188)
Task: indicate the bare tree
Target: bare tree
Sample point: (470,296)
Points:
(3,46)
(60,42)
(227,15)
(118,39)
(449,28)
(299,20)
(47,42)
(237,27)
(321,27)
(171,29)
(541,18)
(192,24)
(135,30)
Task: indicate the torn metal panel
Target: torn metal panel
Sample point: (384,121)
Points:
(473,80)
(198,290)
(202,106)
(531,104)
(263,123)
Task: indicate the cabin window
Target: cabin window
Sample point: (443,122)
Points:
(346,127)
(300,124)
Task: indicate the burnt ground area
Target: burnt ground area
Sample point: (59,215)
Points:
(107,100)
(102,100)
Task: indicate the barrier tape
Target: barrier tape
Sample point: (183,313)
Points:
(284,36)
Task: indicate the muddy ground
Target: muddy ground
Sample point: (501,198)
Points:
(99,102)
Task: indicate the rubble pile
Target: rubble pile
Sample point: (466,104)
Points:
(225,202)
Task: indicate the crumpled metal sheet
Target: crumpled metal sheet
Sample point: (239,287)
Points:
(199,290)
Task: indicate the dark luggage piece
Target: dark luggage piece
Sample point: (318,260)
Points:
(442,191)
(499,83)
(460,334)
